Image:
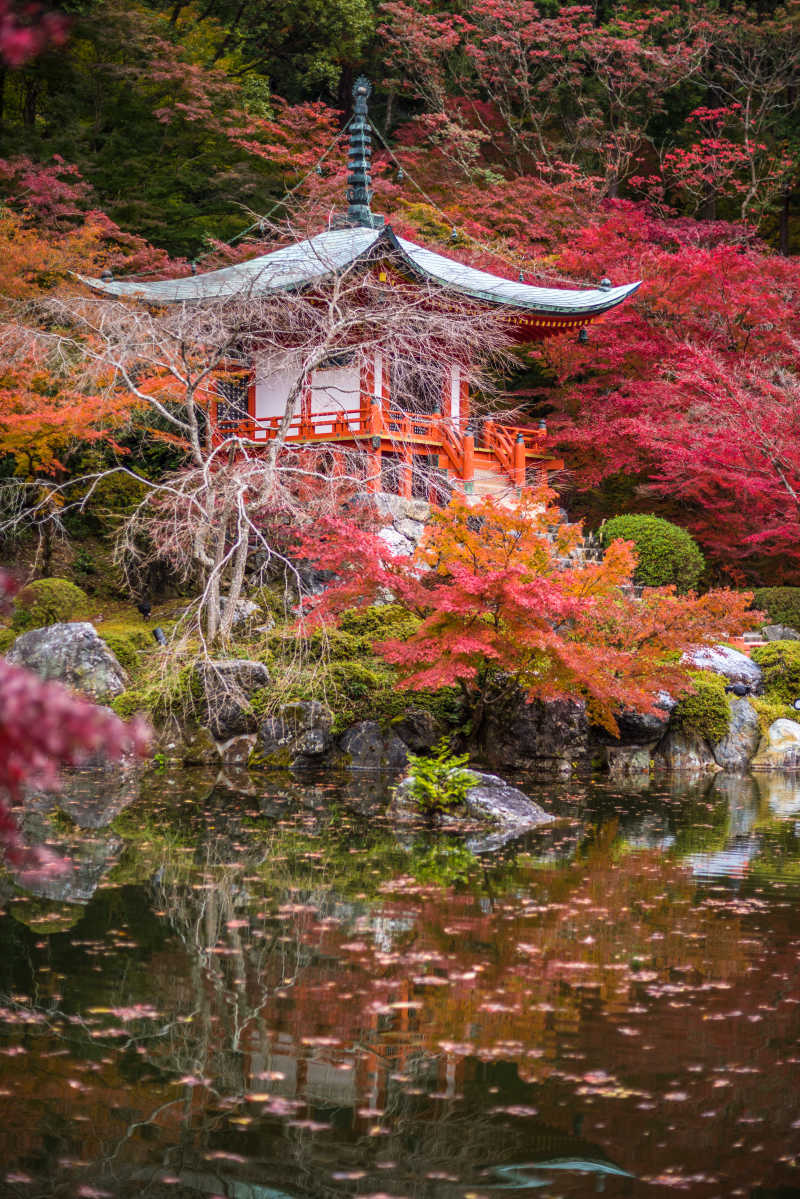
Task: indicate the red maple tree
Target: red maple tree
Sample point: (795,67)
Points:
(504,601)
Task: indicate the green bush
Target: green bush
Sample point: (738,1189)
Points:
(780,663)
(665,552)
(770,710)
(440,781)
(781,604)
(706,710)
(49,601)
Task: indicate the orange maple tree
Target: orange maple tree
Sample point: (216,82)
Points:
(504,601)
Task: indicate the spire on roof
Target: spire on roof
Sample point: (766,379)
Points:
(359,179)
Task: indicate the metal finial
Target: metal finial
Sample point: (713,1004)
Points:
(359,179)
(605,283)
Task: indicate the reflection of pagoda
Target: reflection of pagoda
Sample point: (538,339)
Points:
(347,406)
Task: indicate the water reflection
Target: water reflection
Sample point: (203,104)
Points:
(269,993)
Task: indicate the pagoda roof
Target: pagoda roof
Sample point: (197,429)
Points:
(311,261)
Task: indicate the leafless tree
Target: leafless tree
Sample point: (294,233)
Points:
(235,494)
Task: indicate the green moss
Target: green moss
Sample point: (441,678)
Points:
(770,710)
(7,639)
(666,553)
(780,663)
(128,641)
(706,710)
(781,604)
(49,601)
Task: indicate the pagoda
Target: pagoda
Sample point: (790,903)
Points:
(352,407)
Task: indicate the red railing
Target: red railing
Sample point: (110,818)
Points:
(509,445)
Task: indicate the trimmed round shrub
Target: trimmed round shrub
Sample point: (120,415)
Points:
(780,663)
(665,552)
(49,601)
(706,710)
(781,604)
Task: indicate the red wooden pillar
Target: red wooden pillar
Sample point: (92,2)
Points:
(406,471)
(519,461)
(468,469)
(251,407)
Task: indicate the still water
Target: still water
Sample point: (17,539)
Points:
(256,988)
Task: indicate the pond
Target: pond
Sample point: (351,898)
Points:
(257,988)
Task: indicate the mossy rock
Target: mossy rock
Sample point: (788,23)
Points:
(706,710)
(781,604)
(7,639)
(129,641)
(49,601)
(780,666)
(666,554)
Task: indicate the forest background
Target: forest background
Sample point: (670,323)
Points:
(564,143)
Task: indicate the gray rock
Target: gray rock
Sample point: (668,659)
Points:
(509,811)
(780,749)
(492,798)
(185,741)
(412,529)
(72,654)
(683,752)
(367,747)
(418,728)
(299,736)
(779,632)
(244,611)
(735,666)
(400,508)
(549,738)
(640,728)
(740,743)
(399,546)
(237,750)
(227,687)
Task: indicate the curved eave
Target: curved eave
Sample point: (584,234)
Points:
(311,262)
(492,289)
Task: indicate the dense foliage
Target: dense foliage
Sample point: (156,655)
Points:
(566,142)
(498,609)
(781,604)
(780,663)
(704,709)
(665,553)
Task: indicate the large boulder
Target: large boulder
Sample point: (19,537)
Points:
(365,746)
(298,736)
(779,632)
(684,752)
(640,728)
(399,545)
(72,654)
(780,749)
(507,811)
(418,729)
(227,685)
(547,738)
(740,743)
(185,741)
(735,666)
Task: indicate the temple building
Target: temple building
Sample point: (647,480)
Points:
(352,406)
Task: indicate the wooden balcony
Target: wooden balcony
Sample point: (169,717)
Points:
(507,451)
